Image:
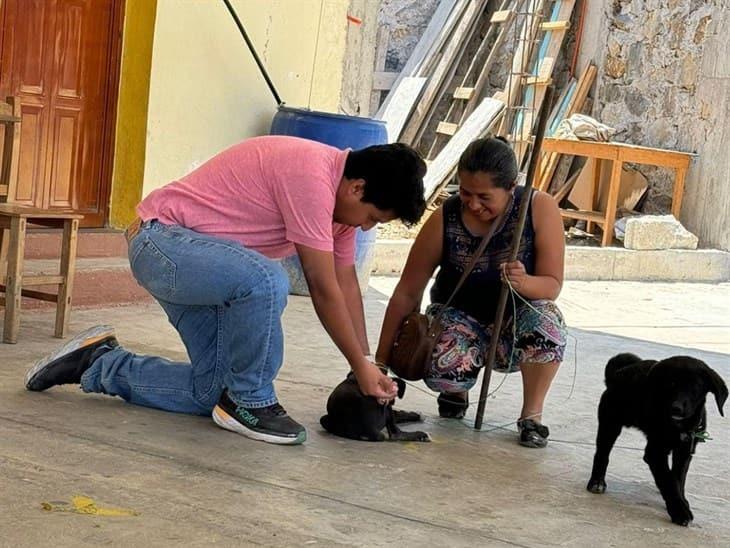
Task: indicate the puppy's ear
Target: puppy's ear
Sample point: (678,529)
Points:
(717,386)
(401,386)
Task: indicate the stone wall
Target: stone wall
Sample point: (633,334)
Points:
(406,20)
(664,81)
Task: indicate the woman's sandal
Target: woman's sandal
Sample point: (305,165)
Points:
(452,406)
(532,434)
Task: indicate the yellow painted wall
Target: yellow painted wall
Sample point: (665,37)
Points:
(206,92)
(131,127)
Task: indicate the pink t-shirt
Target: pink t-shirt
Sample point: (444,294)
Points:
(267,193)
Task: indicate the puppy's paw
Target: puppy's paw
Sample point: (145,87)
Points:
(423,436)
(597,486)
(680,513)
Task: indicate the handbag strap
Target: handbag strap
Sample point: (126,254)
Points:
(497,223)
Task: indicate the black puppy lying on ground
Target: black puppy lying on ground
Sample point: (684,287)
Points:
(351,414)
(666,401)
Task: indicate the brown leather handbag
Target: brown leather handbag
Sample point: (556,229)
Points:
(413,346)
(410,357)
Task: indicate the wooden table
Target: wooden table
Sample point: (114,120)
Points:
(618,154)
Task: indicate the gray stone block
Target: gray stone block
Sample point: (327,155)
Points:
(657,232)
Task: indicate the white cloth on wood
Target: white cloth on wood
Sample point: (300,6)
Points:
(580,127)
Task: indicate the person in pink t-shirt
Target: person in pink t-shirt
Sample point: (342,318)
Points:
(206,247)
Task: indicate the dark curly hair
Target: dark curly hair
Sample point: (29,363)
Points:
(393,178)
(492,155)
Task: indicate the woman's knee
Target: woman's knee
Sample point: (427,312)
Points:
(540,310)
(541,334)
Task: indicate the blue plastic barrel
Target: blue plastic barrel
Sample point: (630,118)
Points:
(336,130)
(343,132)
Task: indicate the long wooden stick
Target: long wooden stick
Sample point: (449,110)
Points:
(255,55)
(516,239)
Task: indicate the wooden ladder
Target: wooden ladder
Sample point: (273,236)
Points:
(538,76)
(443,73)
(467,93)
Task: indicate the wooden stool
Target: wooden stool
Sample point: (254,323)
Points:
(13,223)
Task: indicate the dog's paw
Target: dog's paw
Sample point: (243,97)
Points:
(597,486)
(680,513)
(423,436)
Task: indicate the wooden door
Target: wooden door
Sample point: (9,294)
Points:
(60,58)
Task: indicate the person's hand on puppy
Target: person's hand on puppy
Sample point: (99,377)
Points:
(374,383)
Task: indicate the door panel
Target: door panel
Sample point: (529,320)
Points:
(32,144)
(59,57)
(30,67)
(63,162)
(69,34)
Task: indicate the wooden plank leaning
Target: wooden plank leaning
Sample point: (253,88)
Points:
(444,71)
(399,108)
(476,125)
(466,97)
(549,161)
(550,46)
(525,37)
(431,40)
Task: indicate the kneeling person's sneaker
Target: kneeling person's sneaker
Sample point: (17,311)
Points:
(68,363)
(270,424)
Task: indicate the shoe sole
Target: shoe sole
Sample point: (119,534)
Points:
(225,421)
(85,338)
(533,444)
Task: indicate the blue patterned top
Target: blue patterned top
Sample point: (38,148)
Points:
(479,295)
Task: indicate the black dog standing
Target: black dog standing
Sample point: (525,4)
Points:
(666,401)
(351,414)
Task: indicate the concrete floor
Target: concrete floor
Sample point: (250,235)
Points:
(196,485)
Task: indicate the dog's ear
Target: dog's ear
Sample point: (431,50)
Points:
(401,386)
(717,386)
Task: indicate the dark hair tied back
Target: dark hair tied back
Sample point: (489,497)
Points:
(492,155)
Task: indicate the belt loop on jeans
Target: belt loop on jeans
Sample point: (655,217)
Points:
(133,229)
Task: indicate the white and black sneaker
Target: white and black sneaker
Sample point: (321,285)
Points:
(68,363)
(271,424)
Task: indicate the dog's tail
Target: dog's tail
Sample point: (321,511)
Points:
(617,363)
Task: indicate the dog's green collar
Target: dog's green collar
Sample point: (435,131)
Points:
(702,435)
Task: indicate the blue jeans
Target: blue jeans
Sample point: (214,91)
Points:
(225,301)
